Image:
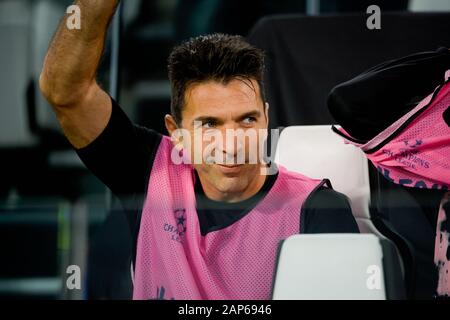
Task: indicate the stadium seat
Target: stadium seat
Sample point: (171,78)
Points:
(318,152)
(337,267)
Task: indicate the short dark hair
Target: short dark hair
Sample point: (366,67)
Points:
(219,57)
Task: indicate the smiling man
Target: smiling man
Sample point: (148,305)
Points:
(205,229)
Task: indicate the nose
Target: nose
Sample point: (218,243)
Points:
(233,148)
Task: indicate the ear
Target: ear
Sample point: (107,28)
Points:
(171,126)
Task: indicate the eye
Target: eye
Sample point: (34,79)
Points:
(208,124)
(249,120)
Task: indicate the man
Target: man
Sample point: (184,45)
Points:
(203,229)
(398,113)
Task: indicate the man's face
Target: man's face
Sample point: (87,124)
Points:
(213,109)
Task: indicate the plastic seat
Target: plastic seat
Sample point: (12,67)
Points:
(337,267)
(317,152)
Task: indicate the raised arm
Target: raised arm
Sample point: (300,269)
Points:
(68,76)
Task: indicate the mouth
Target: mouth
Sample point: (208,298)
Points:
(235,168)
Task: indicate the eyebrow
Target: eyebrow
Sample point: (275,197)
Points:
(203,119)
(254,113)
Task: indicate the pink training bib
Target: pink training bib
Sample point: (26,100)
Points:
(173,259)
(415,152)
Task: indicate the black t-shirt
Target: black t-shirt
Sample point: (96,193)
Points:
(366,105)
(122,157)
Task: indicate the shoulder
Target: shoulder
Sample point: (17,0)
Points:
(324,197)
(327,211)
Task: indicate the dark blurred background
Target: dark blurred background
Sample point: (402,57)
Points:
(53,212)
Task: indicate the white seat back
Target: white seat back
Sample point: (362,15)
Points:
(317,152)
(330,267)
